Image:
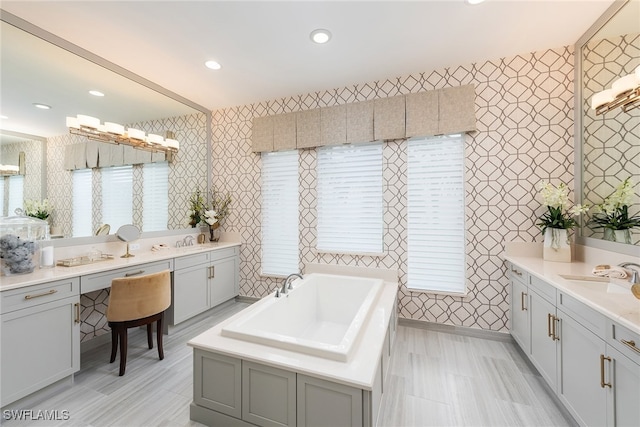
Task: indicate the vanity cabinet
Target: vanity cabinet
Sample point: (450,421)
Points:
(202,281)
(40,336)
(588,360)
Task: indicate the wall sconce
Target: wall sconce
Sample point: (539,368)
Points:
(114,133)
(624,92)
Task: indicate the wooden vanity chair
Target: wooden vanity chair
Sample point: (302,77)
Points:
(137,301)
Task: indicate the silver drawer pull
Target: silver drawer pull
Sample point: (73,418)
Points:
(631,344)
(51,292)
(135,273)
(513,270)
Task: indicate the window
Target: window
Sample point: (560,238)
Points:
(82,203)
(280,213)
(16,193)
(435,214)
(117,196)
(155,196)
(2,196)
(350,200)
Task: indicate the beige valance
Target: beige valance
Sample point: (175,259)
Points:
(436,112)
(93,154)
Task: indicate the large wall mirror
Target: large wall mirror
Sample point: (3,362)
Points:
(39,67)
(607,145)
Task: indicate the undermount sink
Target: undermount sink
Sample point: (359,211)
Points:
(611,287)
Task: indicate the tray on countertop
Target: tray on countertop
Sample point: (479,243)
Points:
(82,260)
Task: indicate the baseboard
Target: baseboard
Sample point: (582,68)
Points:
(458,330)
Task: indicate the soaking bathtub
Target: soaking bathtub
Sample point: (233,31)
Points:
(323,315)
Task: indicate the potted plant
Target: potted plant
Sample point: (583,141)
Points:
(612,215)
(38,209)
(196,208)
(557,221)
(220,206)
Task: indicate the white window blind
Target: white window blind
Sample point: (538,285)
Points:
(280,213)
(16,193)
(2,213)
(350,201)
(435,214)
(117,196)
(155,196)
(82,203)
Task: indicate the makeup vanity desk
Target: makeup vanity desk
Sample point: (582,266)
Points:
(40,312)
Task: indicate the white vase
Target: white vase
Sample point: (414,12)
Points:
(620,236)
(557,246)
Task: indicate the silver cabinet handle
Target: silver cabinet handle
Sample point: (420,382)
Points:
(44,294)
(77,306)
(602,359)
(522,298)
(135,273)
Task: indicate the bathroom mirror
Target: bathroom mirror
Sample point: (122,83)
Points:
(39,67)
(128,233)
(607,146)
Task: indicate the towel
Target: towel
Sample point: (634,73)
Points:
(609,271)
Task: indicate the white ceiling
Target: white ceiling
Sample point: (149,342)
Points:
(265,50)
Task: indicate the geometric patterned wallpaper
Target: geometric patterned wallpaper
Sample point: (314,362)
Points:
(32,149)
(611,140)
(187,171)
(524,111)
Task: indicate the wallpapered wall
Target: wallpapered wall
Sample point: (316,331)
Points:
(524,108)
(9,154)
(186,172)
(611,140)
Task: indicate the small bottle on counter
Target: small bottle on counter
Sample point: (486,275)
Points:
(46,252)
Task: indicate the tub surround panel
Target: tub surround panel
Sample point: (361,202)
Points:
(524,111)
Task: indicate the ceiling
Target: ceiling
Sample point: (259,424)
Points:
(265,50)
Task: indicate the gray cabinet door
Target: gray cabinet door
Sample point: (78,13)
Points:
(579,352)
(190,292)
(316,395)
(268,395)
(520,327)
(40,345)
(624,398)
(224,280)
(217,382)
(543,346)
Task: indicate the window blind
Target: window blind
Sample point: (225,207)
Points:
(2,213)
(280,229)
(16,193)
(82,213)
(435,214)
(155,196)
(117,196)
(350,201)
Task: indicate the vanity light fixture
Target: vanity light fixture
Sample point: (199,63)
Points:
(213,65)
(41,106)
(114,133)
(473,2)
(96,93)
(624,92)
(320,36)
(3,117)
(9,170)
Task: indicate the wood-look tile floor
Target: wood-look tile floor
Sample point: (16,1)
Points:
(436,379)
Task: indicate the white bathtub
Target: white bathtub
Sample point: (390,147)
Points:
(322,316)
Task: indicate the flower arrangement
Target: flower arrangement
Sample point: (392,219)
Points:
(220,205)
(196,208)
(613,212)
(38,209)
(558,214)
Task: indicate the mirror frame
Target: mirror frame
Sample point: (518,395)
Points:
(90,56)
(578,139)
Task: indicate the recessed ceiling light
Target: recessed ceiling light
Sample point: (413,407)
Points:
(320,36)
(3,117)
(473,1)
(96,93)
(213,65)
(41,106)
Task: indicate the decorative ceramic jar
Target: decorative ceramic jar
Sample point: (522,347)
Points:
(557,246)
(20,238)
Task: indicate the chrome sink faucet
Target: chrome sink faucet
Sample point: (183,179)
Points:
(634,276)
(188,240)
(287,284)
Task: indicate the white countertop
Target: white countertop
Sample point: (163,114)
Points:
(358,372)
(43,275)
(622,308)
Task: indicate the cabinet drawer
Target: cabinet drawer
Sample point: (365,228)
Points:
(586,316)
(94,282)
(191,260)
(544,289)
(16,299)
(626,341)
(224,253)
(517,273)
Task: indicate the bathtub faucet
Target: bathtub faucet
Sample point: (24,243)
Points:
(287,283)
